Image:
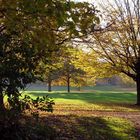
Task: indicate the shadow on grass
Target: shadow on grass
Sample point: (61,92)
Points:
(89,128)
(97,97)
(66,127)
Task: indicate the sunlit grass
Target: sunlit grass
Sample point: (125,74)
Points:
(75,117)
(97,100)
(86,97)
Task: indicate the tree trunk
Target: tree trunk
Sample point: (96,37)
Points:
(79,88)
(49,84)
(68,84)
(2,107)
(138,90)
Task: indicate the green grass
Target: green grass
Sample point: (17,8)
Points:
(97,94)
(99,99)
(95,97)
(73,116)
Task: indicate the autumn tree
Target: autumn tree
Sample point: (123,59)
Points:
(75,24)
(87,62)
(51,70)
(68,70)
(25,39)
(18,54)
(118,39)
(30,31)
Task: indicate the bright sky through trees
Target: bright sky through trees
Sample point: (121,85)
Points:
(90,1)
(95,2)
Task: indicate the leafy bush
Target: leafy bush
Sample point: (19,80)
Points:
(15,124)
(33,105)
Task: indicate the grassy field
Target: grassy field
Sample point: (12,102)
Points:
(77,115)
(93,97)
(97,98)
(99,94)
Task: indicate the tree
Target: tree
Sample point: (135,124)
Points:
(87,62)
(51,71)
(21,49)
(30,31)
(118,39)
(69,70)
(76,23)
(17,53)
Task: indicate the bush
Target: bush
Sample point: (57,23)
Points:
(15,124)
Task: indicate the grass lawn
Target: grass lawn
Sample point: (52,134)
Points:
(99,98)
(93,97)
(97,94)
(74,117)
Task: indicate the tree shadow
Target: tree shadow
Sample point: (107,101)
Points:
(65,127)
(72,127)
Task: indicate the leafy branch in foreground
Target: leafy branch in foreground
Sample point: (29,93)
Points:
(40,103)
(33,105)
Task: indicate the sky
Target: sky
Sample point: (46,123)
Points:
(95,2)
(91,1)
(85,0)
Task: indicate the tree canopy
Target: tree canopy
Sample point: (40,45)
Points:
(30,31)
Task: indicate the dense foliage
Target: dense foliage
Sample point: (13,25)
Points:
(29,32)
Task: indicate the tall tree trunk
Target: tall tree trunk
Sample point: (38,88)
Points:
(79,88)
(68,84)
(138,89)
(2,107)
(49,84)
